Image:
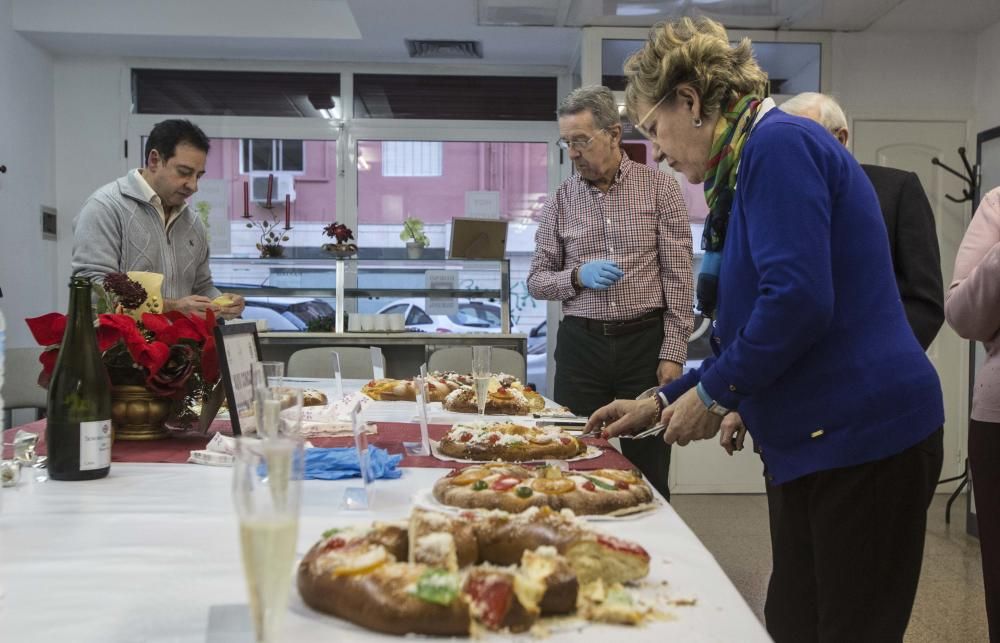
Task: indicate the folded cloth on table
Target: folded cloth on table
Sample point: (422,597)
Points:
(339,463)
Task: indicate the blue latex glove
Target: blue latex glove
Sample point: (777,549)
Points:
(599,274)
(335,464)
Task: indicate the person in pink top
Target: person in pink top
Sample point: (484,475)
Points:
(972,308)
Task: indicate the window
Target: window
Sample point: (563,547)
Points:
(235,93)
(271,155)
(477,315)
(392,188)
(398,309)
(486,98)
(791,67)
(418,316)
(411,158)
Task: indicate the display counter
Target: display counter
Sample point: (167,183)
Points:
(403,352)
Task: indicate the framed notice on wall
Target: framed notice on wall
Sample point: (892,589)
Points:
(239,349)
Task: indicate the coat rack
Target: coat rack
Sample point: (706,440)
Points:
(971,179)
(968,194)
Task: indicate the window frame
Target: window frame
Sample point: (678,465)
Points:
(591,67)
(275,156)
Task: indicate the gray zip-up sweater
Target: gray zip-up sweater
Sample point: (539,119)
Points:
(118,231)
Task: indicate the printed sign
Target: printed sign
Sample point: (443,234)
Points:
(442,280)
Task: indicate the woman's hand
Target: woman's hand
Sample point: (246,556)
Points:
(732,433)
(623,417)
(688,419)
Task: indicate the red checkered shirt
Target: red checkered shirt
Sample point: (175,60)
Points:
(642,225)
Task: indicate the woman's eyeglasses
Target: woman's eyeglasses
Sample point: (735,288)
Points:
(640,127)
(578,145)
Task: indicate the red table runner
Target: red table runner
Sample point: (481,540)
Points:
(390,437)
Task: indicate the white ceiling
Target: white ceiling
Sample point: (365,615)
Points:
(323,30)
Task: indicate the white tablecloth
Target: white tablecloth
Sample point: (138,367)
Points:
(151,553)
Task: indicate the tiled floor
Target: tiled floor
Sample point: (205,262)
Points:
(949,605)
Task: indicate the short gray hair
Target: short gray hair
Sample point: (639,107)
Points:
(831,115)
(597,99)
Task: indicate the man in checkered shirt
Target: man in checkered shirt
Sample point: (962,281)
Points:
(614,246)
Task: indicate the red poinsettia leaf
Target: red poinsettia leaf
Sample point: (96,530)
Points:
(156,324)
(187,328)
(209,361)
(107,336)
(47,329)
(48,362)
(207,324)
(124,324)
(174,315)
(151,356)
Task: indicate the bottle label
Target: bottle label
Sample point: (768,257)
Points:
(95,445)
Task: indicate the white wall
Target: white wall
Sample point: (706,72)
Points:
(90,127)
(987,95)
(904,76)
(26,148)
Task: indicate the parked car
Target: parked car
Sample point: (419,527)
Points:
(537,357)
(473,316)
(286,313)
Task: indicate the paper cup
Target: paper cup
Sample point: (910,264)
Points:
(382,322)
(354,322)
(397,322)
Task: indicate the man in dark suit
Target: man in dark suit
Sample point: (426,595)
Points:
(909,221)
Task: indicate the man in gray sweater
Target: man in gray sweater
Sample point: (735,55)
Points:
(142,222)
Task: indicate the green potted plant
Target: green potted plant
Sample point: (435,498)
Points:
(413,234)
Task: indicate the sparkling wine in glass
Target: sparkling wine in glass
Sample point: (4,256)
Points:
(267,488)
(267,378)
(481,373)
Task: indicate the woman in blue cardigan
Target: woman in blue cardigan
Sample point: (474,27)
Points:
(813,347)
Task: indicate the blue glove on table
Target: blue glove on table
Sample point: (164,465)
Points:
(335,464)
(599,274)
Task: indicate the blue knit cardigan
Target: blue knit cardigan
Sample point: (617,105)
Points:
(813,346)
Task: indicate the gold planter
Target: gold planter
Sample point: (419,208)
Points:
(138,414)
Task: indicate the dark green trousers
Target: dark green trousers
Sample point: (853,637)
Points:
(593,369)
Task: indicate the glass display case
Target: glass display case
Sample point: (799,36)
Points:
(410,307)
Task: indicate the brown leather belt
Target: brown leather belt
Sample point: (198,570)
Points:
(613,328)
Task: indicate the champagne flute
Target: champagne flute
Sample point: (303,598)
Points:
(278,411)
(266,376)
(481,373)
(267,488)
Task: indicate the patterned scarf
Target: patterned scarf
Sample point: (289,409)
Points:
(731,134)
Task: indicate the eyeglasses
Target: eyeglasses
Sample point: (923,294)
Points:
(579,146)
(640,127)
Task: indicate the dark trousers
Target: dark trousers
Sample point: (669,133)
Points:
(847,546)
(984,458)
(593,369)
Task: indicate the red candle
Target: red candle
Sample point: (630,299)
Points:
(288,211)
(270,185)
(246,200)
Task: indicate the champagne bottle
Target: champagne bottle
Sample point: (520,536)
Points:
(78,428)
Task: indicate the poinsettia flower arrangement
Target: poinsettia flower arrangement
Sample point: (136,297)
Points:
(342,235)
(171,354)
(338,231)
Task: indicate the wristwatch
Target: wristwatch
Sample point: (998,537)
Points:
(712,406)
